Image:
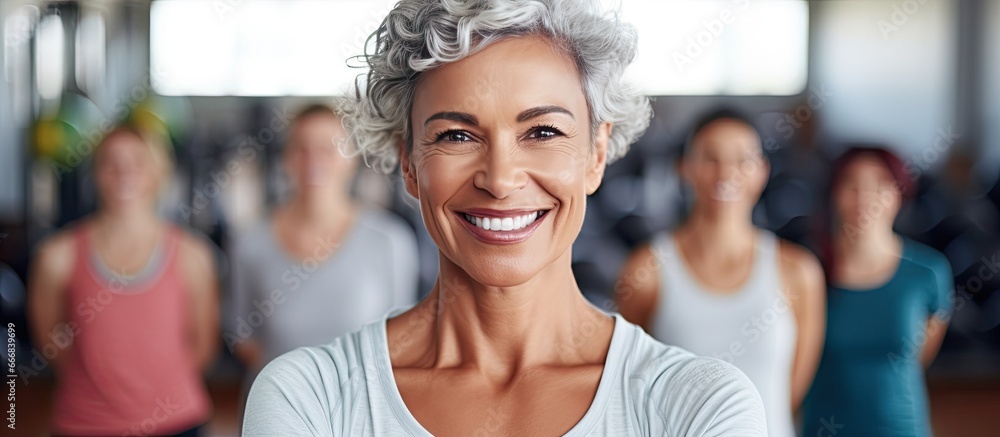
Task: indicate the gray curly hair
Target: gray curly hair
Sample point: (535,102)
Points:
(419,35)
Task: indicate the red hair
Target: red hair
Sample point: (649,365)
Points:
(905,179)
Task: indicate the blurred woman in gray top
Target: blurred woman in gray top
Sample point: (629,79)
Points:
(319,266)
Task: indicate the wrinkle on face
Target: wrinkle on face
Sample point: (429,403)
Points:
(484,132)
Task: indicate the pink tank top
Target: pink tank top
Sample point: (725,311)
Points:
(130,369)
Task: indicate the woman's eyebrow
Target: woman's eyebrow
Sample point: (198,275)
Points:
(460,117)
(539,111)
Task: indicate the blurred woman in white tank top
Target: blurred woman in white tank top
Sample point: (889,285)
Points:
(720,287)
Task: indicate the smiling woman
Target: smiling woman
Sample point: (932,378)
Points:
(502,116)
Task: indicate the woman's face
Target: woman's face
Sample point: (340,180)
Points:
(313,159)
(866,194)
(125,171)
(503,158)
(725,167)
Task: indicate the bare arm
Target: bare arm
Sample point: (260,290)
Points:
(936,327)
(47,281)
(637,289)
(243,345)
(198,266)
(250,353)
(804,286)
(941,307)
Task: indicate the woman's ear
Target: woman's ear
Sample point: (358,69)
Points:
(408,170)
(598,159)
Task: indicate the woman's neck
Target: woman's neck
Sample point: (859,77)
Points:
(318,207)
(866,245)
(721,229)
(500,330)
(126,221)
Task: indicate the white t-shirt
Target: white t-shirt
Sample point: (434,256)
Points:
(346,388)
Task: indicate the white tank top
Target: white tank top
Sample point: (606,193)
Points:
(752,328)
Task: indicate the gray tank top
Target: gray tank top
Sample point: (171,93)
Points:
(753,328)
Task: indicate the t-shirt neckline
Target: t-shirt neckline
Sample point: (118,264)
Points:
(612,368)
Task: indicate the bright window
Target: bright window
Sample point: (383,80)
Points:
(258,47)
(301,47)
(719,47)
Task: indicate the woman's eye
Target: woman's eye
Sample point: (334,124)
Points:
(544,132)
(454,136)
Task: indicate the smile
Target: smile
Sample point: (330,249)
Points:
(503,224)
(502,227)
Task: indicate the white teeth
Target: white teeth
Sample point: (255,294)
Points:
(503,224)
(506,224)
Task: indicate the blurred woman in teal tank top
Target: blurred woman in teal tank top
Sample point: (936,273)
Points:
(889,300)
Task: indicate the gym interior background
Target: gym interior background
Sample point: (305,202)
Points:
(920,76)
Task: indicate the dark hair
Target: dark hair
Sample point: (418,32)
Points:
(905,183)
(720,113)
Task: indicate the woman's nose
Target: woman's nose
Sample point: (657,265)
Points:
(502,173)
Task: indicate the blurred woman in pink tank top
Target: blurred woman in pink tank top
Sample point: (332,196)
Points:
(139,299)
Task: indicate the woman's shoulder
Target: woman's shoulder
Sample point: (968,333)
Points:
(924,263)
(192,242)
(250,238)
(383,223)
(657,362)
(306,390)
(383,233)
(923,254)
(325,366)
(700,394)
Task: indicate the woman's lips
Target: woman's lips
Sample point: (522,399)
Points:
(507,227)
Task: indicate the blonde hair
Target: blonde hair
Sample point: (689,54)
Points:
(156,143)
